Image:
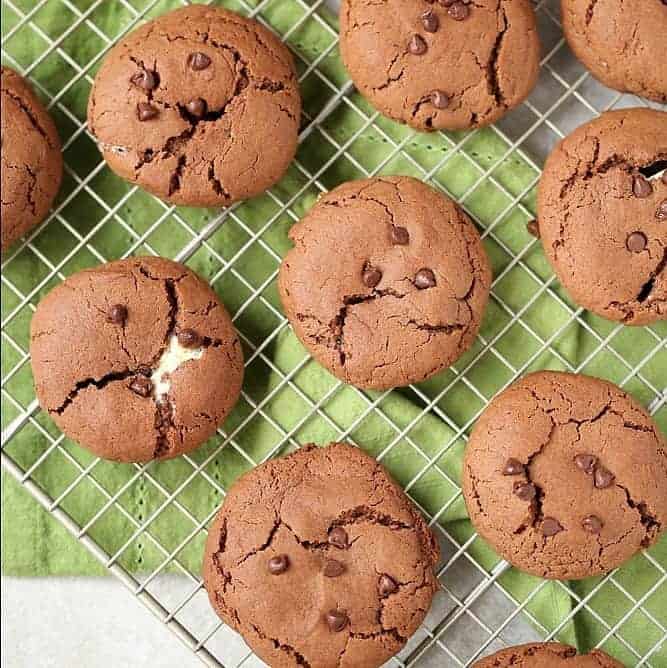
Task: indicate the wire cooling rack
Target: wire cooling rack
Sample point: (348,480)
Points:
(477,611)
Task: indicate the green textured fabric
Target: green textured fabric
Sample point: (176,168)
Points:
(280,379)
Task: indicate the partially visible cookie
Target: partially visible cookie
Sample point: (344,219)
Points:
(136,359)
(319,559)
(450,64)
(32,162)
(387,282)
(546,655)
(564,475)
(618,42)
(200,107)
(603,215)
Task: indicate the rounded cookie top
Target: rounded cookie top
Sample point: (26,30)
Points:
(546,655)
(602,209)
(618,42)
(319,559)
(199,107)
(136,359)
(564,476)
(32,163)
(387,282)
(450,64)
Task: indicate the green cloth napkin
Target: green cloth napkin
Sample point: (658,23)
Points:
(422,448)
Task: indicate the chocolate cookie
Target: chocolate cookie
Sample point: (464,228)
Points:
(603,215)
(618,42)
(564,475)
(32,164)
(199,107)
(449,64)
(319,559)
(387,283)
(136,359)
(546,655)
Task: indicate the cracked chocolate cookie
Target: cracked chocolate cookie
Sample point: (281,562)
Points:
(564,475)
(319,559)
(136,359)
(449,64)
(200,107)
(547,655)
(32,163)
(618,40)
(603,215)
(387,282)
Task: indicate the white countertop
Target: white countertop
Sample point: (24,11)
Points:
(53,622)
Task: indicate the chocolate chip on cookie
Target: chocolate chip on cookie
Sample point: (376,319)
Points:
(198,61)
(118,314)
(344,591)
(430,20)
(375,308)
(278,564)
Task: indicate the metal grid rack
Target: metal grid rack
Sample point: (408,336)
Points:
(477,614)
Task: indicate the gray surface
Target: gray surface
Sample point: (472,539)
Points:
(82,622)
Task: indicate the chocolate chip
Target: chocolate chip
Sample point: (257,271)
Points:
(513,467)
(636,242)
(117,314)
(141,385)
(336,620)
(430,20)
(603,477)
(371,276)
(661,213)
(198,61)
(146,111)
(146,79)
(424,278)
(333,568)
(592,524)
(386,586)
(551,526)
(196,107)
(188,338)
(533,228)
(586,463)
(439,99)
(399,235)
(641,187)
(338,537)
(417,45)
(525,490)
(278,564)
(458,11)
